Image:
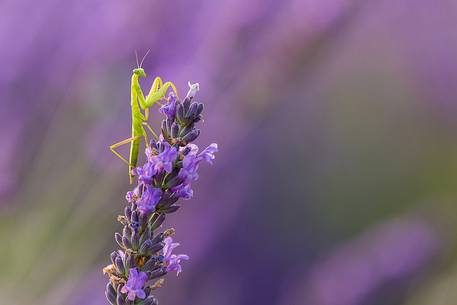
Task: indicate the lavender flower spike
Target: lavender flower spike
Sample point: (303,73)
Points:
(172,165)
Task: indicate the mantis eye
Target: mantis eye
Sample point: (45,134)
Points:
(193,89)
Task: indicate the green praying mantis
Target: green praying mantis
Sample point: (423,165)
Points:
(139,102)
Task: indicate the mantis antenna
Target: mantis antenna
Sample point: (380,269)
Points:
(142,60)
(136,57)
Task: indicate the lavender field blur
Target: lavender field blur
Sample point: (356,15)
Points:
(335,182)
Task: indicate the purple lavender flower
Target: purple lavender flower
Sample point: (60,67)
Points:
(169,109)
(135,284)
(189,169)
(132,196)
(146,172)
(164,160)
(188,172)
(193,89)
(208,153)
(183,191)
(149,199)
(172,261)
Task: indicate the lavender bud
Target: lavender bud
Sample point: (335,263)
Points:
(153,218)
(148,233)
(110,293)
(186,130)
(158,238)
(119,265)
(135,239)
(165,203)
(186,151)
(142,219)
(134,226)
(174,130)
(128,212)
(164,130)
(169,122)
(192,113)
(129,262)
(135,217)
(191,136)
(146,247)
(186,104)
(199,109)
(157,273)
(157,247)
(151,263)
(158,222)
(179,112)
(118,238)
(153,144)
(120,299)
(143,238)
(171,209)
(198,118)
(126,231)
(172,181)
(151,300)
(126,242)
(147,291)
(113,256)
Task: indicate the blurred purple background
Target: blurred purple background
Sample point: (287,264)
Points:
(335,183)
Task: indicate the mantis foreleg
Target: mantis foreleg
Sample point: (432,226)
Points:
(157,92)
(156,84)
(157,95)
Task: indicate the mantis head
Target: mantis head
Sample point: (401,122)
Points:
(140,72)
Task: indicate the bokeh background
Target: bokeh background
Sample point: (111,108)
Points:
(335,183)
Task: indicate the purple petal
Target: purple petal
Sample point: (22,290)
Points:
(131,295)
(140,294)
(208,153)
(133,272)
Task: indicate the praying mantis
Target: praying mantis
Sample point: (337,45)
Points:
(139,102)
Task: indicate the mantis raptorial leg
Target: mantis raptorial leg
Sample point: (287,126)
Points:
(157,92)
(156,84)
(155,96)
(123,142)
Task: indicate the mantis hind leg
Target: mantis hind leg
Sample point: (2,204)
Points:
(156,137)
(118,144)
